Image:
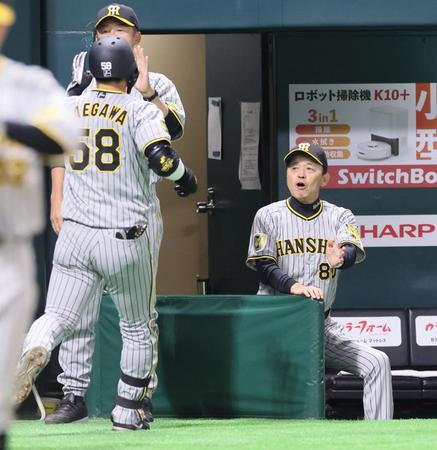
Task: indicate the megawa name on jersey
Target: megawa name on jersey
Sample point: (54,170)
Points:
(110,112)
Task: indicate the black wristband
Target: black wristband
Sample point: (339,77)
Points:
(152,97)
(350,256)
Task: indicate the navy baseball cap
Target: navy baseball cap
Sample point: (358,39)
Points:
(119,12)
(7,13)
(310,149)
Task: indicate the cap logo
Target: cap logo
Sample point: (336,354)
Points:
(114,10)
(106,67)
(304,146)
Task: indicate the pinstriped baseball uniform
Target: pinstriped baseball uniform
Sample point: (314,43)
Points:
(298,245)
(167,92)
(75,354)
(108,189)
(29,96)
(21,187)
(119,127)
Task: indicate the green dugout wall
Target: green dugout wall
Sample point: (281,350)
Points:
(224,356)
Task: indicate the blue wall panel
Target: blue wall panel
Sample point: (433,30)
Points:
(173,15)
(198,15)
(65,19)
(359,13)
(61,48)
(23,42)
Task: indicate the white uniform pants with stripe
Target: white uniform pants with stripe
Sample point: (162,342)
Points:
(85,260)
(372,365)
(76,350)
(17,303)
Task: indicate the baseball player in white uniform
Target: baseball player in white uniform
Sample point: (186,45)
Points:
(33,121)
(75,354)
(111,222)
(299,246)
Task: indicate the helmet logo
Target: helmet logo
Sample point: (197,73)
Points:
(113,10)
(106,67)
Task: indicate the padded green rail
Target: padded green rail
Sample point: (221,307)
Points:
(224,356)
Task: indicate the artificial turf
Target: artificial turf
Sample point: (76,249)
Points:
(196,434)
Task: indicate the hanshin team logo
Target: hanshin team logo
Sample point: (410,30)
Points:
(113,10)
(166,163)
(259,241)
(304,146)
(353,231)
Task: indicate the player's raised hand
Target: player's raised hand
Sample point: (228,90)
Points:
(334,254)
(80,77)
(143,82)
(308,291)
(78,67)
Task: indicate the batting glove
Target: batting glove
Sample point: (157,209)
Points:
(187,184)
(80,78)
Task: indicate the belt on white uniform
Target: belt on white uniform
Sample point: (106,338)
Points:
(131,233)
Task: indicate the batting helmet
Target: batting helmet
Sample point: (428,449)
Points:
(112,57)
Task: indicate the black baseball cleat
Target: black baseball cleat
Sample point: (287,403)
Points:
(71,409)
(147,408)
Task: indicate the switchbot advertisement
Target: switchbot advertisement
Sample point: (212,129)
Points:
(374,135)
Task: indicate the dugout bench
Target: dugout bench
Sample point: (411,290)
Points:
(409,338)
